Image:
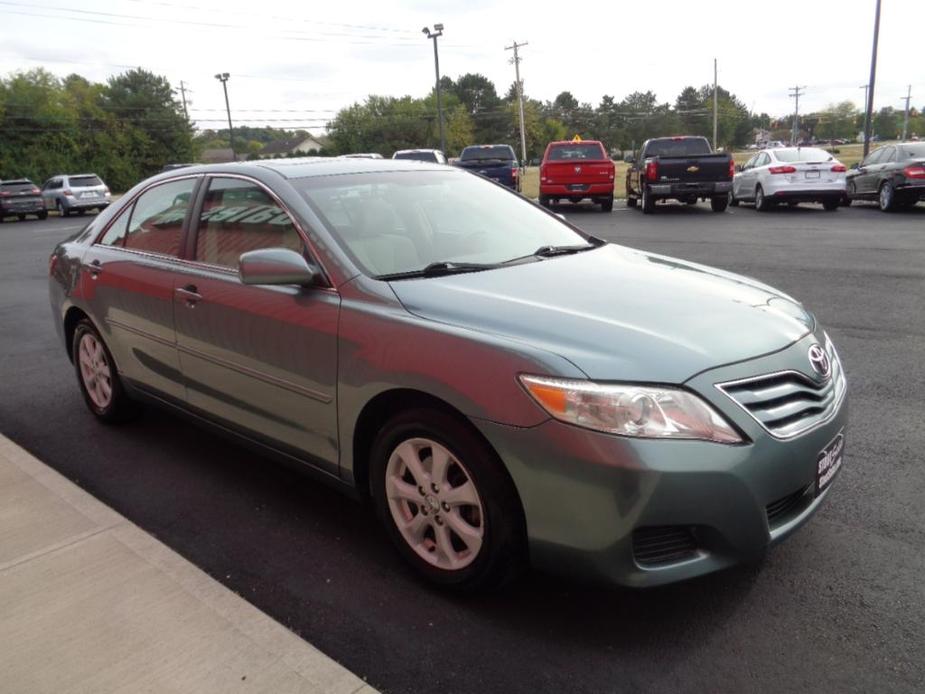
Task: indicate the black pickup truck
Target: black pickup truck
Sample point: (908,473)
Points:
(679,168)
(496,162)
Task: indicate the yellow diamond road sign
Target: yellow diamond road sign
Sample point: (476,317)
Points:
(577,138)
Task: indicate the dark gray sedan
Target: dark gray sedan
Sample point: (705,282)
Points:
(505,388)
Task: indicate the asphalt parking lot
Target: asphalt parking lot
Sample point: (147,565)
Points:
(839,607)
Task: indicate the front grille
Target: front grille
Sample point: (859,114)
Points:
(789,403)
(663,545)
(781,510)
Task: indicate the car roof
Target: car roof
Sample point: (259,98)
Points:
(401,151)
(15,180)
(575,142)
(305,167)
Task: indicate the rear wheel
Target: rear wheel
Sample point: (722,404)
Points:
(761,202)
(446,502)
(97,376)
(719,203)
(887,197)
(648,203)
(631,202)
(607,204)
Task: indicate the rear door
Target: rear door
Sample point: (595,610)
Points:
(127,279)
(261,358)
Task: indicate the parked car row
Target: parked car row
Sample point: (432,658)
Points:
(64,193)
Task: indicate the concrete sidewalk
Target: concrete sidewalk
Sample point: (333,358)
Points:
(91,603)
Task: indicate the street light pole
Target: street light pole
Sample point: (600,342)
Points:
(223,78)
(869,106)
(435,34)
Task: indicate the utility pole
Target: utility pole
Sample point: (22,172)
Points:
(715,102)
(183,97)
(907,99)
(520,99)
(869,106)
(223,78)
(437,33)
(796,93)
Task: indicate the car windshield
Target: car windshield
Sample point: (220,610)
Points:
(577,150)
(404,221)
(17,186)
(678,147)
(802,154)
(913,151)
(503,152)
(417,156)
(85,181)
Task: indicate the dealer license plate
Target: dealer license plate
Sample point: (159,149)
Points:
(812,174)
(828,462)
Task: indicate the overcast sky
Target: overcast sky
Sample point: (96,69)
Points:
(293,64)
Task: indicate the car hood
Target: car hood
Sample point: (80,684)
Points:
(617,313)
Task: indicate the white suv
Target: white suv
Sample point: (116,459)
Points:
(75,193)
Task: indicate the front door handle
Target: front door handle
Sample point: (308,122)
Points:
(189,294)
(94,268)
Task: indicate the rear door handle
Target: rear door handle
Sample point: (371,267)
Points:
(189,294)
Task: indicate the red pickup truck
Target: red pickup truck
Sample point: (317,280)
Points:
(577,170)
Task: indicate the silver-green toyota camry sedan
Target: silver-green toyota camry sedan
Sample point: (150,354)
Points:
(505,389)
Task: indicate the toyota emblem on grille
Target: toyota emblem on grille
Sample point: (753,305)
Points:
(819,360)
(578,169)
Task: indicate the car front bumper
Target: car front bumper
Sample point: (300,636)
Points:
(588,497)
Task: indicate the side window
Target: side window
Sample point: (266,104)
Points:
(751,162)
(115,234)
(239,216)
(889,155)
(763,159)
(873,158)
(156,221)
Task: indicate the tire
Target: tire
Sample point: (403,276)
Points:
(486,540)
(886,197)
(648,204)
(607,204)
(98,377)
(21,217)
(690,201)
(43,214)
(81,212)
(62,210)
(718,203)
(733,200)
(761,202)
(544,201)
(831,204)
(631,202)
(851,193)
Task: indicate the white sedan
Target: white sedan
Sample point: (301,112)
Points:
(792,175)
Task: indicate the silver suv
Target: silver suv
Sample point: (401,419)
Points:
(75,193)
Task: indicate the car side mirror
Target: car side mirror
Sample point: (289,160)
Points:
(276,266)
(630,159)
(739,168)
(856,165)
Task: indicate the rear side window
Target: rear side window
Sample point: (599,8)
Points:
(237,217)
(577,151)
(417,156)
(155,223)
(680,147)
(85,181)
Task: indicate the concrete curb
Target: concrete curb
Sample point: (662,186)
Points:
(90,602)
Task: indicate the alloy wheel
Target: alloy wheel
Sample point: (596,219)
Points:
(434,503)
(95,371)
(886,197)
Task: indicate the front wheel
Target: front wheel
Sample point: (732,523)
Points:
(446,501)
(733,200)
(97,376)
(719,203)
(62,210)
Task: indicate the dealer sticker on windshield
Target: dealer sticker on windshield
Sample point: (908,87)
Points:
(829,462)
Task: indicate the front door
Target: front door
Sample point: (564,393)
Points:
(260,358)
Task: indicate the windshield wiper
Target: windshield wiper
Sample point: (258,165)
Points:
(438,269)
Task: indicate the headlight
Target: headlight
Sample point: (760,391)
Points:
(630,410)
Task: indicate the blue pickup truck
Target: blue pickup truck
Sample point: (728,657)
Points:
(496,162)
